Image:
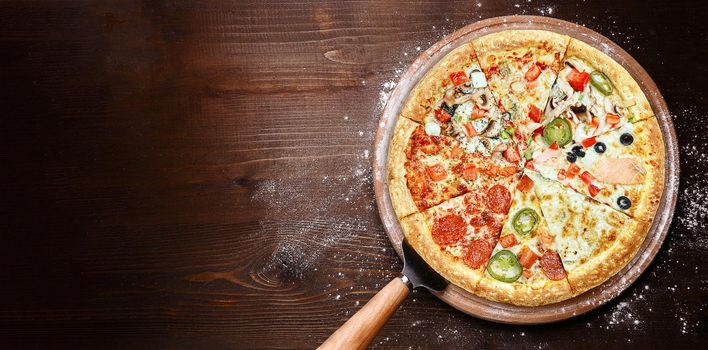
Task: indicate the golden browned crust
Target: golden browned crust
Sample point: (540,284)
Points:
(611,260)
(626,86)
(524,294)
(429,90)
(418,231)
(508,40)
(652,154)
(401,198)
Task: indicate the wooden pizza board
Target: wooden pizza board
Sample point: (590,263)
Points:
(511,314)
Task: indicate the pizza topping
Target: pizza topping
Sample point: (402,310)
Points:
(478,79)
(512,155)
(525,221)
(432,129)
(612,119)
(578,151)
(626,139)
(577,79)
(450,110)
(507,241)
(518,87)
(436,172)
(499,199)
(587,177)
(525,184)
(527,257)
(593,190)
(449,230)
(535,113)
(588,142)
(558,131)
(533,73)
(571,157)
(600,147)
(561,175)
(601,82)
(442,115)
(552,266)
(624,202)
(471,131)
(458,78)
(477,252)
(504,266)
(626,171)
(573,170)
(469,172)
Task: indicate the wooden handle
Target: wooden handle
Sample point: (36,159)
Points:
(361,329)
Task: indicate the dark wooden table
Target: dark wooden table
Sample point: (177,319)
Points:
(196,175)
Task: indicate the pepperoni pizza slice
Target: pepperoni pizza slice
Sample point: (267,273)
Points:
(458,236)
(425,170)
(524,268)
(593,240)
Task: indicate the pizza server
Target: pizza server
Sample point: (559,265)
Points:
(361,328)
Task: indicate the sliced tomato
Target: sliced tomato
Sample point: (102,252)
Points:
(587,177)
(507,171)
(612,118)
(508,240)
(527,257)
(477,113)
(594,122)
(470,129)
(525,184)
(442,115)
(594,190)
(535,113)
(588,142)
(437,172)
(529,165)
(578,79)
(469,172)
(573,170)
(533,73)
(512,155)
(538,131)
(456,152)
(459,78)
(561,174)
(554,146)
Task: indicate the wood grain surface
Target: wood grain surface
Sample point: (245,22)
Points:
(196,174)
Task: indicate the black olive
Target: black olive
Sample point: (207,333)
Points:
(506,115)
(600,147)
(578,151)
(626,139)
(580,109)
(624,202)
(571,157)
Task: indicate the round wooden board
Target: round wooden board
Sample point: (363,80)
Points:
(511,314)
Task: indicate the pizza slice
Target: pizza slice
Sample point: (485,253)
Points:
(592,95)
(458,236)
(453,99)
(593,240)
(521,66)
(524,268)
(621,168)
(425,170)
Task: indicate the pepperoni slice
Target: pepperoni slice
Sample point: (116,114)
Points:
(552,266)
(483,219)
(498,199)
(477,253)
(448,230)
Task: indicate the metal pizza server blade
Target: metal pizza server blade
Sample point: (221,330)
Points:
(360,329)
(418,272)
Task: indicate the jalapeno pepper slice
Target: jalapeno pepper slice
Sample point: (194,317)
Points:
(558,131)
(525,221)
(504,266)
(601,82)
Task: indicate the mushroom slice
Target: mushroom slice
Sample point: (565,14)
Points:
(483,98)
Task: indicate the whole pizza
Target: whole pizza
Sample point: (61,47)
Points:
(526,167)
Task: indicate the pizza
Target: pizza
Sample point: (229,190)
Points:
(526,167)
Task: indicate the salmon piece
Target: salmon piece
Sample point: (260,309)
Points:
(625,171)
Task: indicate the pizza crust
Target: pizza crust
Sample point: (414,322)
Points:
(418,232)
(653,155)
(523,294)
(626,86)
(401,198)
(518,39)
(429,90)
